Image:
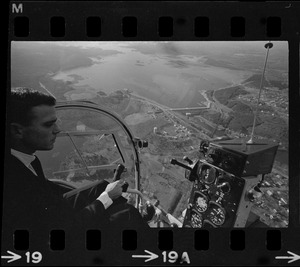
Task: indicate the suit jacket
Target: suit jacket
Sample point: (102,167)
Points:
(34,203)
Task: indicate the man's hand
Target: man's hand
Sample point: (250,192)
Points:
(114,190)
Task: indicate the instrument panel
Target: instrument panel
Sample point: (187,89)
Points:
(214,198)
(222,174)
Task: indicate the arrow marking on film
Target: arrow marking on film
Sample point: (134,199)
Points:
(292,258)
(151,256)
(12,256)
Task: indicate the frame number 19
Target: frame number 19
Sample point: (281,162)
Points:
(34,257)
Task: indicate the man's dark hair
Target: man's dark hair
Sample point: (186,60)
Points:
(23,100)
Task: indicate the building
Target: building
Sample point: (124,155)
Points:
(80,127)
(269,193)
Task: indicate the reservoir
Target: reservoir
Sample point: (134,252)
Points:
(174,81)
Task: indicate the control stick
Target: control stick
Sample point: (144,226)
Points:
(149,208)
(175,162)
(120,169)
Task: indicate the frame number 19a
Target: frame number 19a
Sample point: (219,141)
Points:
(173,257)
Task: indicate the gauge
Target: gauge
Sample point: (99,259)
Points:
(196,219)
(217,213)
(224,184)
(208,174)
(201,202)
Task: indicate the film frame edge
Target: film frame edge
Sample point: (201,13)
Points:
(180,25)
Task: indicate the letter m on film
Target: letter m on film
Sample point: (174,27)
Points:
(17,8)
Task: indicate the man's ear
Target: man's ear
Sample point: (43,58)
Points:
(16,130)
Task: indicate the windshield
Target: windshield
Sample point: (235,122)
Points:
(89,147)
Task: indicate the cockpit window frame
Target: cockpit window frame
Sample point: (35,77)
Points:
(87,105)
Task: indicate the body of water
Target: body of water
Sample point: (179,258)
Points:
(171,81)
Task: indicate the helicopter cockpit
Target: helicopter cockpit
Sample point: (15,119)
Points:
(224,178)
(90,146)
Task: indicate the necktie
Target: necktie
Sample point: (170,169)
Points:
(36,164)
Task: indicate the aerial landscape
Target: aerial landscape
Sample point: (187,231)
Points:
(171,94)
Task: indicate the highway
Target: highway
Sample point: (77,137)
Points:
(166,110)
(188,109)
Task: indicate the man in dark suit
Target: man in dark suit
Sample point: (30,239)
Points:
(32,202)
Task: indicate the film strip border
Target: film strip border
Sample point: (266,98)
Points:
(129,26)
(201,247)
(167,21)
(236,239)
(135,20)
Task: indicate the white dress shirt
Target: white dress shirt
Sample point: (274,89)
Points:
(105,199)
(26,159)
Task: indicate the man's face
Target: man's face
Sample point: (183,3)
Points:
(41,133)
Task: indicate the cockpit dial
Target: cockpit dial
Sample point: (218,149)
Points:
(217,213)
(196,219)
(208,174)
(201,202)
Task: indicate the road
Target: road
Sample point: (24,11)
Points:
(188,109)
(167,111)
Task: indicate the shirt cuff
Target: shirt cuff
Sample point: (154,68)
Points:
(105,199)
